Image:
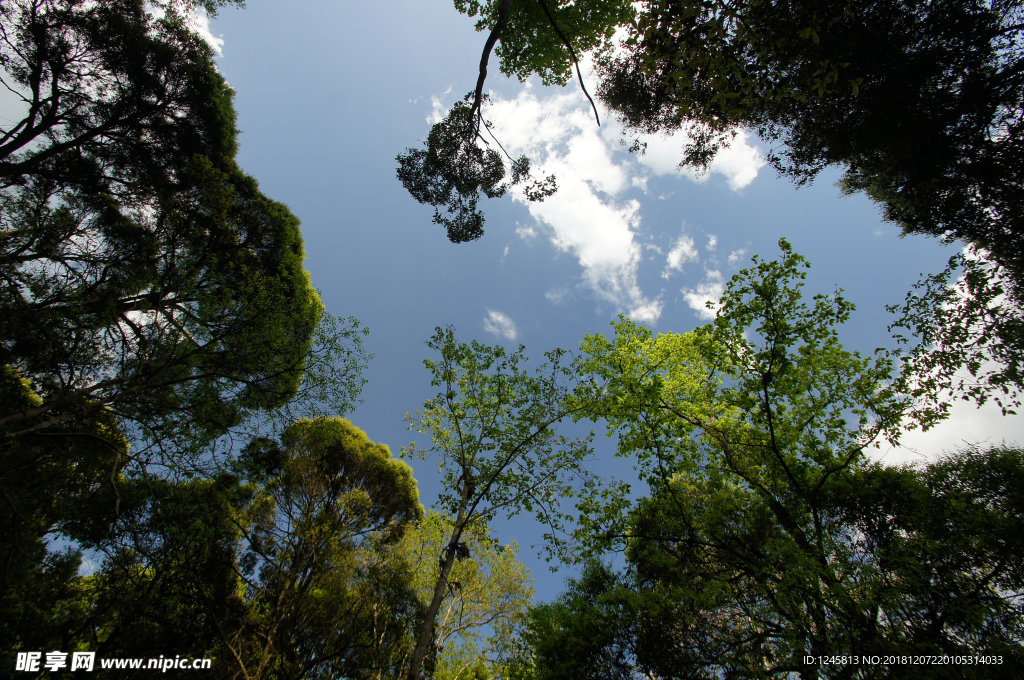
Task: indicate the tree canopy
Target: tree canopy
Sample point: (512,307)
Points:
(492,426)
(488,594)
(278,570)
(919,103)
(768,536)
(142,272)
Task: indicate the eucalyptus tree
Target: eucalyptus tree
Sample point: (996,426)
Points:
(492,427)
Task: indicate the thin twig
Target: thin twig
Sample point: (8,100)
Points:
(572,53)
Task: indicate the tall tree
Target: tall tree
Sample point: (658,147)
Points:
(753,422)
(284,569)
(920,102)
(323,596)
(492,427)
(141,271)
(488,593)
(937,559)
(768,537)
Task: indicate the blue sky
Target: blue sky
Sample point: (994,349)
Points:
(328,93)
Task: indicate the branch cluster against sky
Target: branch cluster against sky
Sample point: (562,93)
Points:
(329,93)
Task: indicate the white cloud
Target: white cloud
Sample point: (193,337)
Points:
(557,295)
(500,324)
(590,216)
(737,255)
(712,241)
(200,23)
(525,232)
(739,163)
(646,313)
(684,250)
(966,425)
(437,109)
(708,290)
(586,217)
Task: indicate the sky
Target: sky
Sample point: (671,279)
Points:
(328,93)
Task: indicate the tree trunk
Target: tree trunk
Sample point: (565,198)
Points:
(427,630)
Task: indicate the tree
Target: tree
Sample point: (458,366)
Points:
(745,424)
(141,272)
(282,568)
(969,336)
(45,483)
(323,598)
(939,564)
(587,632)
(454,170)
(492,426)
(487,590)
(920,102)
(765,538)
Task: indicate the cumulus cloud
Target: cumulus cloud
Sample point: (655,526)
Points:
(739,163)
(965,426)
(587,217)
(708,290)
(591,217)
(737,255)
(500,325)
(684,250)
(200,23)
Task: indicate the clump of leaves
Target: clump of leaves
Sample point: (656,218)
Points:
(457,165)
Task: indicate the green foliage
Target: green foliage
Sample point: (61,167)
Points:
(453,171)
(767,535)
(932,559)
(530,45)
(973,323)
(154,310)
(766,392)
(47,484)
(323,597)
(286,571)
(586,633)
(492,427)
(904,95)
(143,272)
(489,589)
